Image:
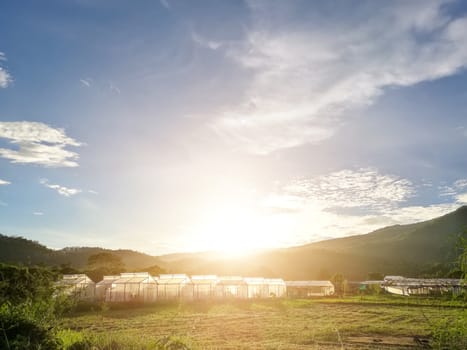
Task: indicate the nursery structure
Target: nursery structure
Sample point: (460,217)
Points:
(305,289)
(232,287)
(421,286)
(204,286)
(137,287)
(78,285)
(174,286)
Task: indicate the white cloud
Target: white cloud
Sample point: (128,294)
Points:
(165,3)
(363,188)
(203,42)
(86,82)
(350,202)
(38,143)
(4,182)
(113,88)
(5,77)
(462,198)
(306,75)
(38,213)
(62,190)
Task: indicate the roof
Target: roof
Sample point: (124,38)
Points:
(254,280)
(276,281)
(309,284)
(173,279)
(108,279)
(204,279)
(229,280)
(422,282)
(134,277)
(76,279)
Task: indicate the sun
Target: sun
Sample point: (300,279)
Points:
(237,231)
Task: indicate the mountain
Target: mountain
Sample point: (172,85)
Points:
(20,250)
(422,249)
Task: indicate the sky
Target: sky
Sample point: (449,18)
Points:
(178,126)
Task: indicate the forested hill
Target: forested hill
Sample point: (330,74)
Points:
(423,249)
(23,251)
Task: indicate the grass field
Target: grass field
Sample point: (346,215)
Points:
(368,323)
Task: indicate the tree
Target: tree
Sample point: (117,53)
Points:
(104,263)
(339,284)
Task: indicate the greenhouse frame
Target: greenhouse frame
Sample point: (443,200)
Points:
(133,286)
(174,286)
(306,289)
(78,285)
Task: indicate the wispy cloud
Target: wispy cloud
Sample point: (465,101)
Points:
(364,188)
(38,213)
(4,182)
(357,201)
(165,3)
(113,88)
(206,43)
(62,190)
(38,143)
(5,77)
(86,82)
(306,76)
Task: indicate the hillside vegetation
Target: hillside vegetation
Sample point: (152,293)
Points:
(423,249)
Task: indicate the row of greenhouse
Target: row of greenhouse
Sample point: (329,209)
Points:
(142,287)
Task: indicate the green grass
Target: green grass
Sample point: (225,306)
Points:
(273,324)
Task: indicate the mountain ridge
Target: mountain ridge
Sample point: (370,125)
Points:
(414,249)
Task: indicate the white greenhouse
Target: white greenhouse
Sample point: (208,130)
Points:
(78,285)
(420,286)
(103,287)
(204,286)
(256,287)
(305,289)
(232,287)
(137,287)
(276,287)
(174,286)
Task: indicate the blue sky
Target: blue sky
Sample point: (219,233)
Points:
(168,126)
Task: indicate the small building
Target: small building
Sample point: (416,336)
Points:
(421,286)
(174,286)
(132,287)
(78,285)
(231,287)
(257,287)
(306,289)
(276,287)
(103,287)
(204,286)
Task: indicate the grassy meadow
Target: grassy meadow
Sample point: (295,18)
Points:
(370,322)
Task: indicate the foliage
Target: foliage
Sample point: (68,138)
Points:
(29,307)
(338,280)
(104,263)
(450,333)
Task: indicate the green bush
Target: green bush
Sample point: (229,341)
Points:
(450,333)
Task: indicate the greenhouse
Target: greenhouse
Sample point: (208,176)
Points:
(305,289)
(256,287)
(138,287)
(103,287)
(231,287)
(78,285)
(174,286)
(276,287)
(420,286)
(204,286)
